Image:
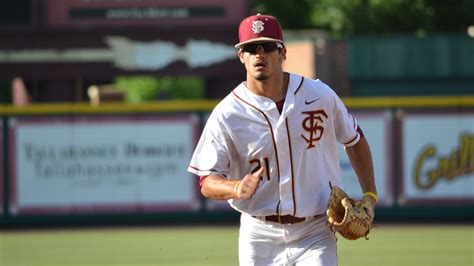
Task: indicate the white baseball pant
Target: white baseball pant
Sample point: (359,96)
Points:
(266,243)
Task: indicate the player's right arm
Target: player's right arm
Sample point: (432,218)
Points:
(218,187)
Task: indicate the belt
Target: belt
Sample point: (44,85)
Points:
(285,219)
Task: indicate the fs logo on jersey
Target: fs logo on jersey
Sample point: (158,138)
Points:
(257,26)
(312,126)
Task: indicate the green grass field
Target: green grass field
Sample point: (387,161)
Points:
(388,245)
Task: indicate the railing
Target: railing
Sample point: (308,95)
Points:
(76,163)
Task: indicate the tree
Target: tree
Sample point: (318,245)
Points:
(372,16)
(346,17)
(292,14)
(452,15)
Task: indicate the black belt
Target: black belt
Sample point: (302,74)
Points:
(283,219)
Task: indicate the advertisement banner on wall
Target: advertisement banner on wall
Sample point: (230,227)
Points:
(377,127)
(165,13)
(438,158)
(102,164)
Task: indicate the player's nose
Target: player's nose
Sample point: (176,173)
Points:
(260,50)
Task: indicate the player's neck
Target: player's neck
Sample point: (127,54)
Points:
(273,88)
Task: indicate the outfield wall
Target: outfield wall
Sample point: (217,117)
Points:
(77,164)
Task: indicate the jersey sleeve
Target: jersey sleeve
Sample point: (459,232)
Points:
(345,124)
(211,154)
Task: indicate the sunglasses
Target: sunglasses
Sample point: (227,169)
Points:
(268,47)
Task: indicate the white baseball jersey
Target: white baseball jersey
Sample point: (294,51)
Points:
(297,147)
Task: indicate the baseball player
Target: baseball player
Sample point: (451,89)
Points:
(269,148)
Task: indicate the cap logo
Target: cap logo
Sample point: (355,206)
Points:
(257,26)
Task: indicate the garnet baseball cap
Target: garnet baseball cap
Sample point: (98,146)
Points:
(259,28)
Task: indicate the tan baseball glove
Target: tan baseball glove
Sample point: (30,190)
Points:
(351,218)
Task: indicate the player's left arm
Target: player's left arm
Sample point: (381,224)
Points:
(356,146)
(361,161)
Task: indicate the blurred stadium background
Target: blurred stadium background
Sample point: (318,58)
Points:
(102,102)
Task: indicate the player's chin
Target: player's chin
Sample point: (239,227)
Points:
(261,76)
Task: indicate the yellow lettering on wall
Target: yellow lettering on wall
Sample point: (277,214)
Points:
(422,181)
(460,162)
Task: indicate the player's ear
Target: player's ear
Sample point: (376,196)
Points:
(240,54)
(283,53)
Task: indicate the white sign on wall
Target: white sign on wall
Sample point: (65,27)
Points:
(377,128)
(438,158)
(101,164)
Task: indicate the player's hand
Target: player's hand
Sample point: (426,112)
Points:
(370,200)
(248,185)
(368,203)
